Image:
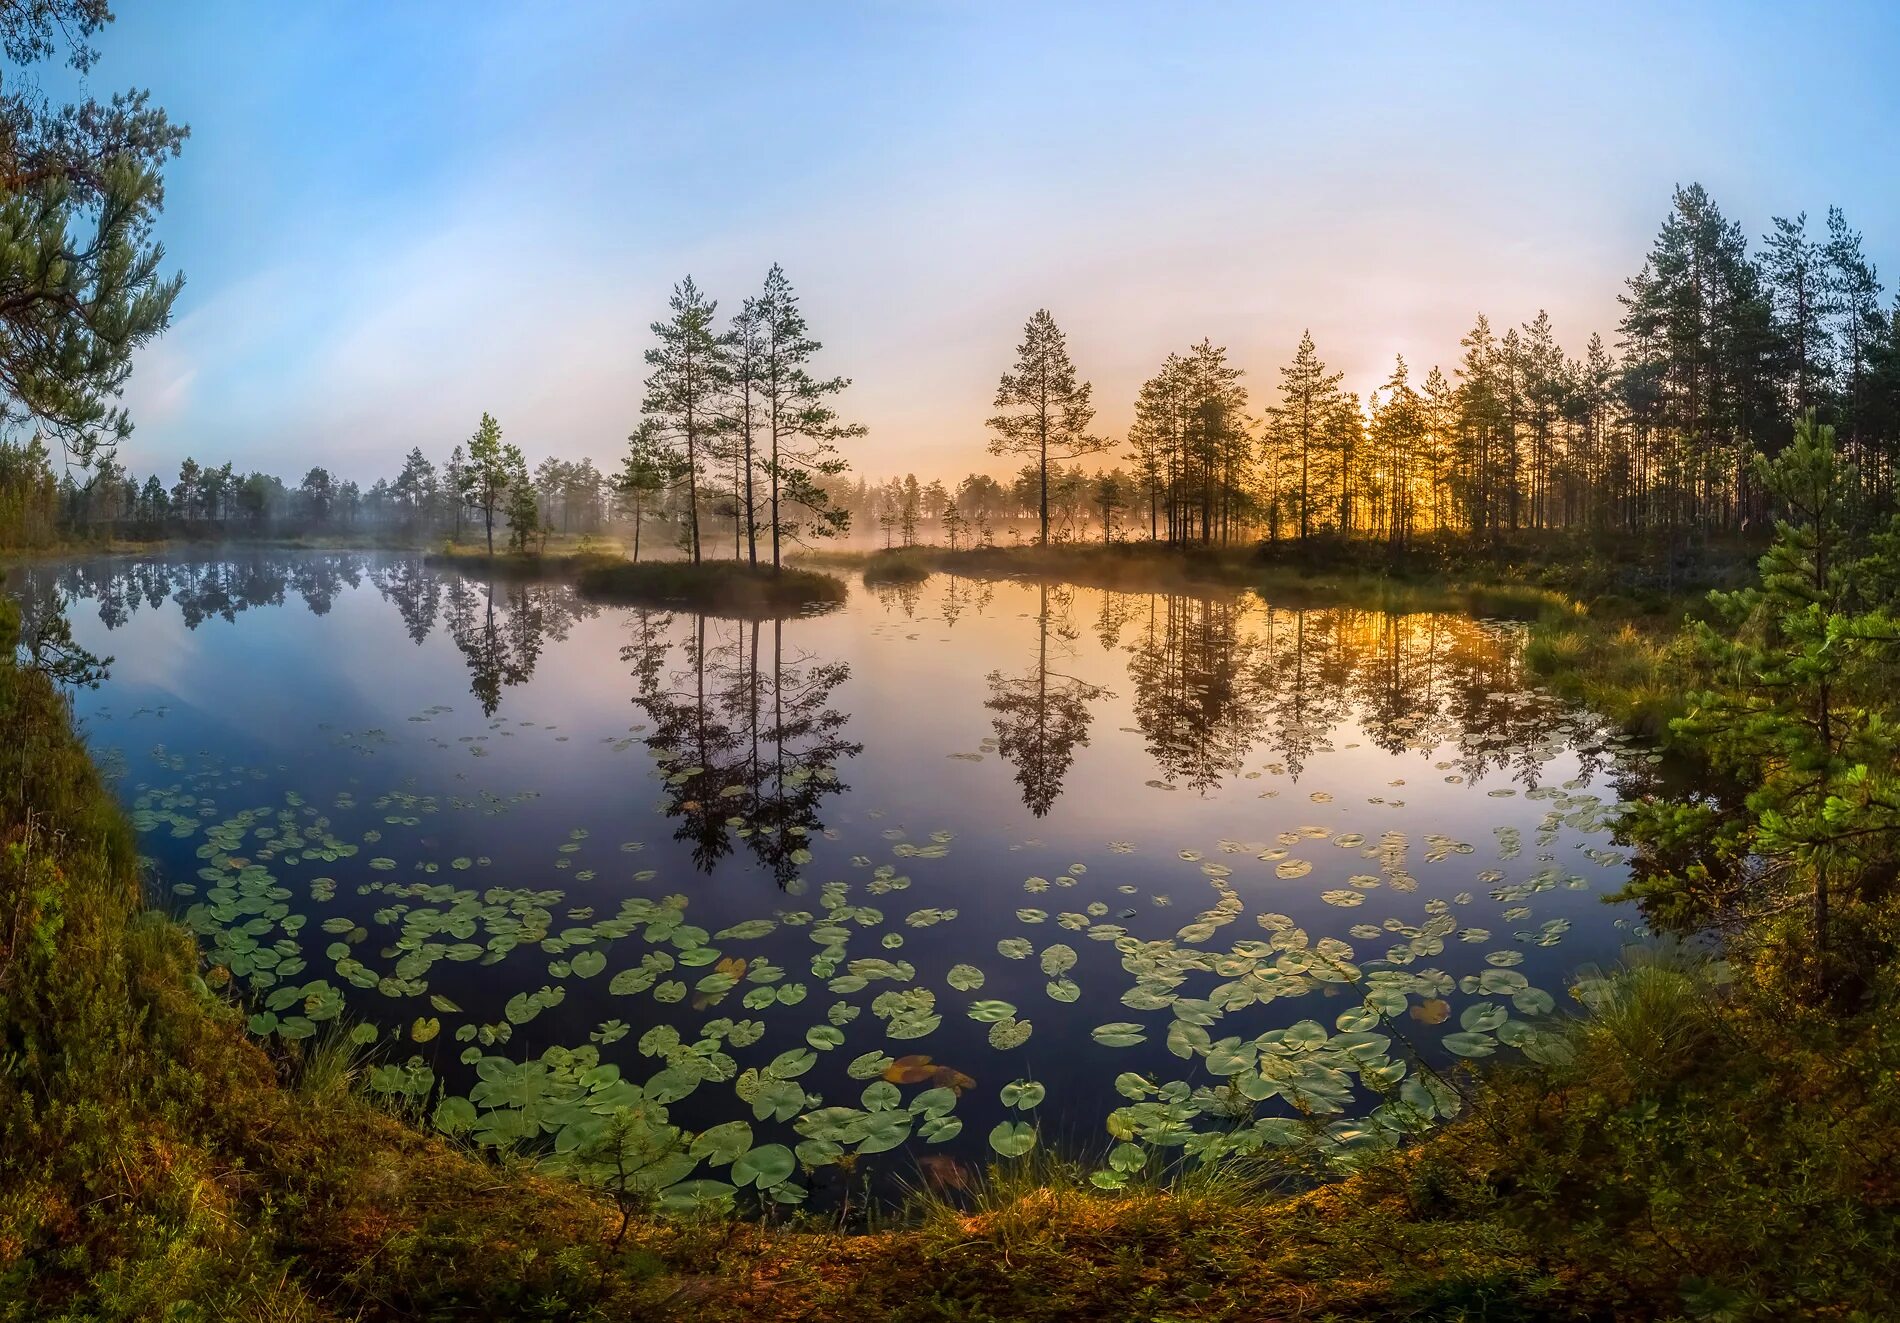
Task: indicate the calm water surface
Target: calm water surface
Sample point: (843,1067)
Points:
(947,839)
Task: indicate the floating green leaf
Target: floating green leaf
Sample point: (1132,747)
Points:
(1022,1094)
(1009,1033)
(1013,1138)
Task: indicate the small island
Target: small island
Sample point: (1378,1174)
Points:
(713,587)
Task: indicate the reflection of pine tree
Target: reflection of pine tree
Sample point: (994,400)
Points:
(45,635)
(1397,680)
(700,751)
(1303,679)
(318,579)
(750,745)
(802,743)
(1117,610)
(203,591)
(904,596)
(224,588)
(960,595)
(501,649)
(1196,688)
(1497,722)
(1042,717)
(414,591)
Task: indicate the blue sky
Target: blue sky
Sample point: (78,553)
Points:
(392,217)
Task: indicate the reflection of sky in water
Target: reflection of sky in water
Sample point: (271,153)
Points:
(1102,702)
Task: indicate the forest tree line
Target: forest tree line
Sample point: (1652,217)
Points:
(1720,348)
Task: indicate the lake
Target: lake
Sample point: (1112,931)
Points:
(961,869)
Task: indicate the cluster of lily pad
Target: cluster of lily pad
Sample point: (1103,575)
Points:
(1363,1080)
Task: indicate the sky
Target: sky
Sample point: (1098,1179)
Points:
(394,217)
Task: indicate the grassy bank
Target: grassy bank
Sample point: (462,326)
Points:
(721,587)
(100,547)
(1623,662)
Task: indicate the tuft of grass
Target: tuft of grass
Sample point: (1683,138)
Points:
(331,1065)
(896,567)
(1625,664)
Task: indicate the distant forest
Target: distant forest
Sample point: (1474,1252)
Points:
(1721,346)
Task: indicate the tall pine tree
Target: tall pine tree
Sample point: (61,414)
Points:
(1043,409)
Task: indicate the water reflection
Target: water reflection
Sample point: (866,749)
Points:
(1199,685)
(501,648)
(748,718)
(220,588)
(415,592)
(748,739)
(1043,715)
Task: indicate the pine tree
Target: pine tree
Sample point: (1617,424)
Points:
(953,523)
(319,494)
(1110,498)
(455,488)
(80,187)
(1796,663)
(1307,419)
(1439,410)
(1217,447)
(1858,329)
(489,475)
(650,469)
(550,479)
(690,374)
(802,427)
(1545,385)
(414,488)
(1043,409)
(524,506)
(1794,269)
(1698,339)
(1478,427)
(1398,437)
(746,350)
(1156,439)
